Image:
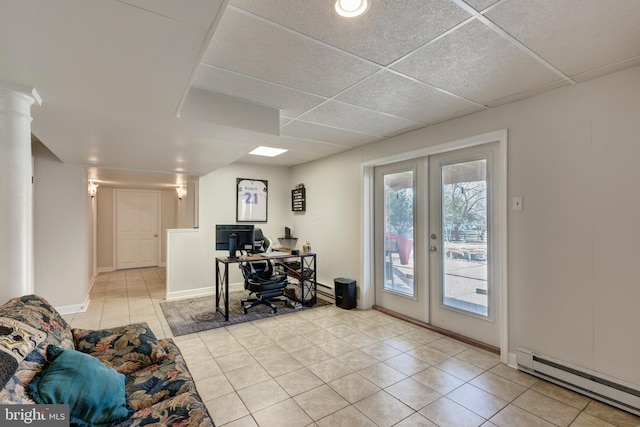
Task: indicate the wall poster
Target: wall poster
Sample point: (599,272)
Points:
(251,200)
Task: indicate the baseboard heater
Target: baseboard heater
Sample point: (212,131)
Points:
(325,291)
(580,380)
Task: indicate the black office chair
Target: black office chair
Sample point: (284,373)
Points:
(261,280)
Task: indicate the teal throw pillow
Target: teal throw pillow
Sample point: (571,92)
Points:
(94,392)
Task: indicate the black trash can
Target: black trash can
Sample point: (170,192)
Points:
(345,290)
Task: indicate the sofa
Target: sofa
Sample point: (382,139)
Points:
(121,376)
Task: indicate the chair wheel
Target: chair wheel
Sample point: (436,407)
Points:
(245,311)
(274,311)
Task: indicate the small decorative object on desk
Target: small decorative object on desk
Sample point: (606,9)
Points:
(306,248)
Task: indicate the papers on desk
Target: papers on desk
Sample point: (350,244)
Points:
(257,257)
(277,255)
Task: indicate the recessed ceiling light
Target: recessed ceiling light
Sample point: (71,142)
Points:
(351,8)
(268,151)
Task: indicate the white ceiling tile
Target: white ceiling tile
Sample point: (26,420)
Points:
(480,5)
(377,35)
(291,102)
(399,96)
(476,63)
(607,69)
(357,119)
(527,93)
(290,158)
(307,146)
(575,36)
(277,55)
(201,13)
(316,132)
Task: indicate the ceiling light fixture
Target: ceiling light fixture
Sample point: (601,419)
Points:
(351,8)
(268,151)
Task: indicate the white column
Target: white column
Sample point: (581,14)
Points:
(16,193)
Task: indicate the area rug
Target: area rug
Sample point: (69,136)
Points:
(191,315)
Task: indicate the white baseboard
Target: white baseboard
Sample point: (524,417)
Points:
(74,308)
(210,290)
(106,269)
(512,360)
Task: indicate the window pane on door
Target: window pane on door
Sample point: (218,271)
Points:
(464,236)
(399,208)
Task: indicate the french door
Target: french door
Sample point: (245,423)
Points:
(437,242)
(401,262)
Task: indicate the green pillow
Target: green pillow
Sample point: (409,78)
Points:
(94,392)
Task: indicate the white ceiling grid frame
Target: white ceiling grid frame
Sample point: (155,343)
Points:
(341,51)
(482,18)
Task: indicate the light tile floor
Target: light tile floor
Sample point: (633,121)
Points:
(332,367)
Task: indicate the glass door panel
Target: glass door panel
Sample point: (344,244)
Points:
(399,207)
(464,236)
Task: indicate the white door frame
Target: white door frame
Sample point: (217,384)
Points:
(115,225)
(368,272)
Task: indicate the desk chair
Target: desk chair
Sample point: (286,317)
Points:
(260,279)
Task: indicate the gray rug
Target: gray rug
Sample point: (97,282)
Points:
(199,314)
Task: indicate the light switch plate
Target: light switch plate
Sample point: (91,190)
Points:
(517,204)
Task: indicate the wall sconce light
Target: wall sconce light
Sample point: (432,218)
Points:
(93,189)
(181,192)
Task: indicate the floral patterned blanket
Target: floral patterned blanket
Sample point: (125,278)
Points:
(158,385)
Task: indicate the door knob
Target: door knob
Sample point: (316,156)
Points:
(433,248)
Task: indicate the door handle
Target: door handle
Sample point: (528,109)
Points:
(433,248)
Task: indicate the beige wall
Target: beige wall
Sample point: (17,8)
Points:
(62,231)
(332,222)
(105,228)
(572,155)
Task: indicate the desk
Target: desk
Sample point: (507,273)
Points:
(300,270)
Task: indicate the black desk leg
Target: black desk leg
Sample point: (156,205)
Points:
(226,292)
(222,290)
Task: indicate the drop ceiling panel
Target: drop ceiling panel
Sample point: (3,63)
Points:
(574,35)
(402,97)
(376,35)
(480,5)
(316,132)
(476,63)
(290,158)
(202,15)
(307,146)
(356,119)
(271,53)
(291,102)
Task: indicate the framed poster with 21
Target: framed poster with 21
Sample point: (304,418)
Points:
(251,200)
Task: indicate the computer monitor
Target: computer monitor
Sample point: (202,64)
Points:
(232,237)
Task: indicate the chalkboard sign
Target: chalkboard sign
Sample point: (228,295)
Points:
(298,200)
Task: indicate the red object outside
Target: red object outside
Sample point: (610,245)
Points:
(404,246)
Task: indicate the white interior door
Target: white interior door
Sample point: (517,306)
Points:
(401,263)
(137,228)
(464,242)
